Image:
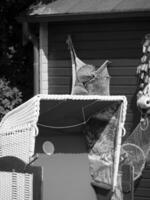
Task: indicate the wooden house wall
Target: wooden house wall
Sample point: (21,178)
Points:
(142,185)
(94,41)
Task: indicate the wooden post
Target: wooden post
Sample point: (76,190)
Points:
(36,67)
(43,54)
(28,36)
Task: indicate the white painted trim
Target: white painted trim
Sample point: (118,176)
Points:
(43,54)
(36,67)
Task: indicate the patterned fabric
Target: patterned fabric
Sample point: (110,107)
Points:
(100,132)
(86,78)
(102,149)
(99,84)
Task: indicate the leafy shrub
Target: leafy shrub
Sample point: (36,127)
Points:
(10,97)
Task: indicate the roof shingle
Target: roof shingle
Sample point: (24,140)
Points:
(88,6)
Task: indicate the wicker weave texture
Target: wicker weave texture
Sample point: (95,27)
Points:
(16,186)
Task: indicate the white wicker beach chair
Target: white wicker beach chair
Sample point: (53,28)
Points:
(19,128)
(15,186)
(19,181)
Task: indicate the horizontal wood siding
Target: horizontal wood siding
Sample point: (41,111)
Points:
(142,187)
(99,39)
(94,41)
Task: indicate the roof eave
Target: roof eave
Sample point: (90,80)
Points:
(81,16)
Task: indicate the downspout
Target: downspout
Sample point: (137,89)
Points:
(28,36)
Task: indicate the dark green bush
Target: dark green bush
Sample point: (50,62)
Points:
(10,97)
